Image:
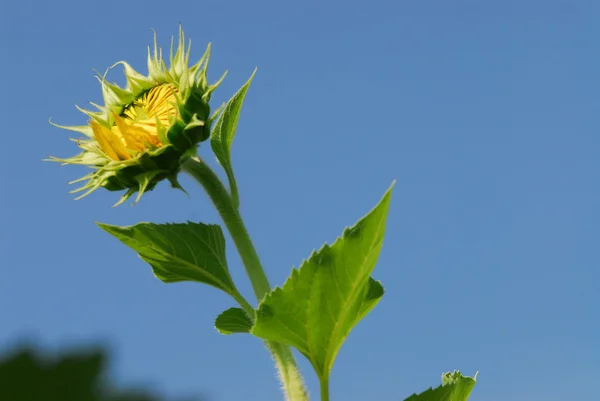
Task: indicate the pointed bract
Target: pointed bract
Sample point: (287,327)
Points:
(145,130)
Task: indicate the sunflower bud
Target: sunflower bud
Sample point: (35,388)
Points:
(146,130)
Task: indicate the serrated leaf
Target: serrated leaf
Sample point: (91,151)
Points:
(233,320)
(455,387)
(331,292)
(179,252)
(223,133)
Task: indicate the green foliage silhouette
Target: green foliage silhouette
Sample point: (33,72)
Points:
(27,374)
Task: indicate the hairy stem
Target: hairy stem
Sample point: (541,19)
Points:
(289,374)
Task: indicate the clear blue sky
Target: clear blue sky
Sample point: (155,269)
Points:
(485,112)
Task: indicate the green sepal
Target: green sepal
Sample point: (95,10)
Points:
(139,174)
(233,320)
(114,96)
(214,117)
(136,82)
(82,129)
(126,195)
(183,136)
(175,183)
(210,89)
(196,130)
(161,131)
(196,105)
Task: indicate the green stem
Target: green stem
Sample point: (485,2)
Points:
(284,359)
(244,304)
(233,221)
(324,388)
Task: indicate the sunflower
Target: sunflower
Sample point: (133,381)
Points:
(146,130)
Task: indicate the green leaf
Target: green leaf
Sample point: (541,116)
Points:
(455,387)
(233,320)
(179,252)
(223,133)
(331,292)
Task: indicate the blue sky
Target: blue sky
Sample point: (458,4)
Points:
(484,112)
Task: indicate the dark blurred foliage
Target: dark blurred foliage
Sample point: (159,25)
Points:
(27,374)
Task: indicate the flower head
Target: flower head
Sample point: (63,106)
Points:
(144,131)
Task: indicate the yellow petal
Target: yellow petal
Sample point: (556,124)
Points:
(109,142)
(133,137)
